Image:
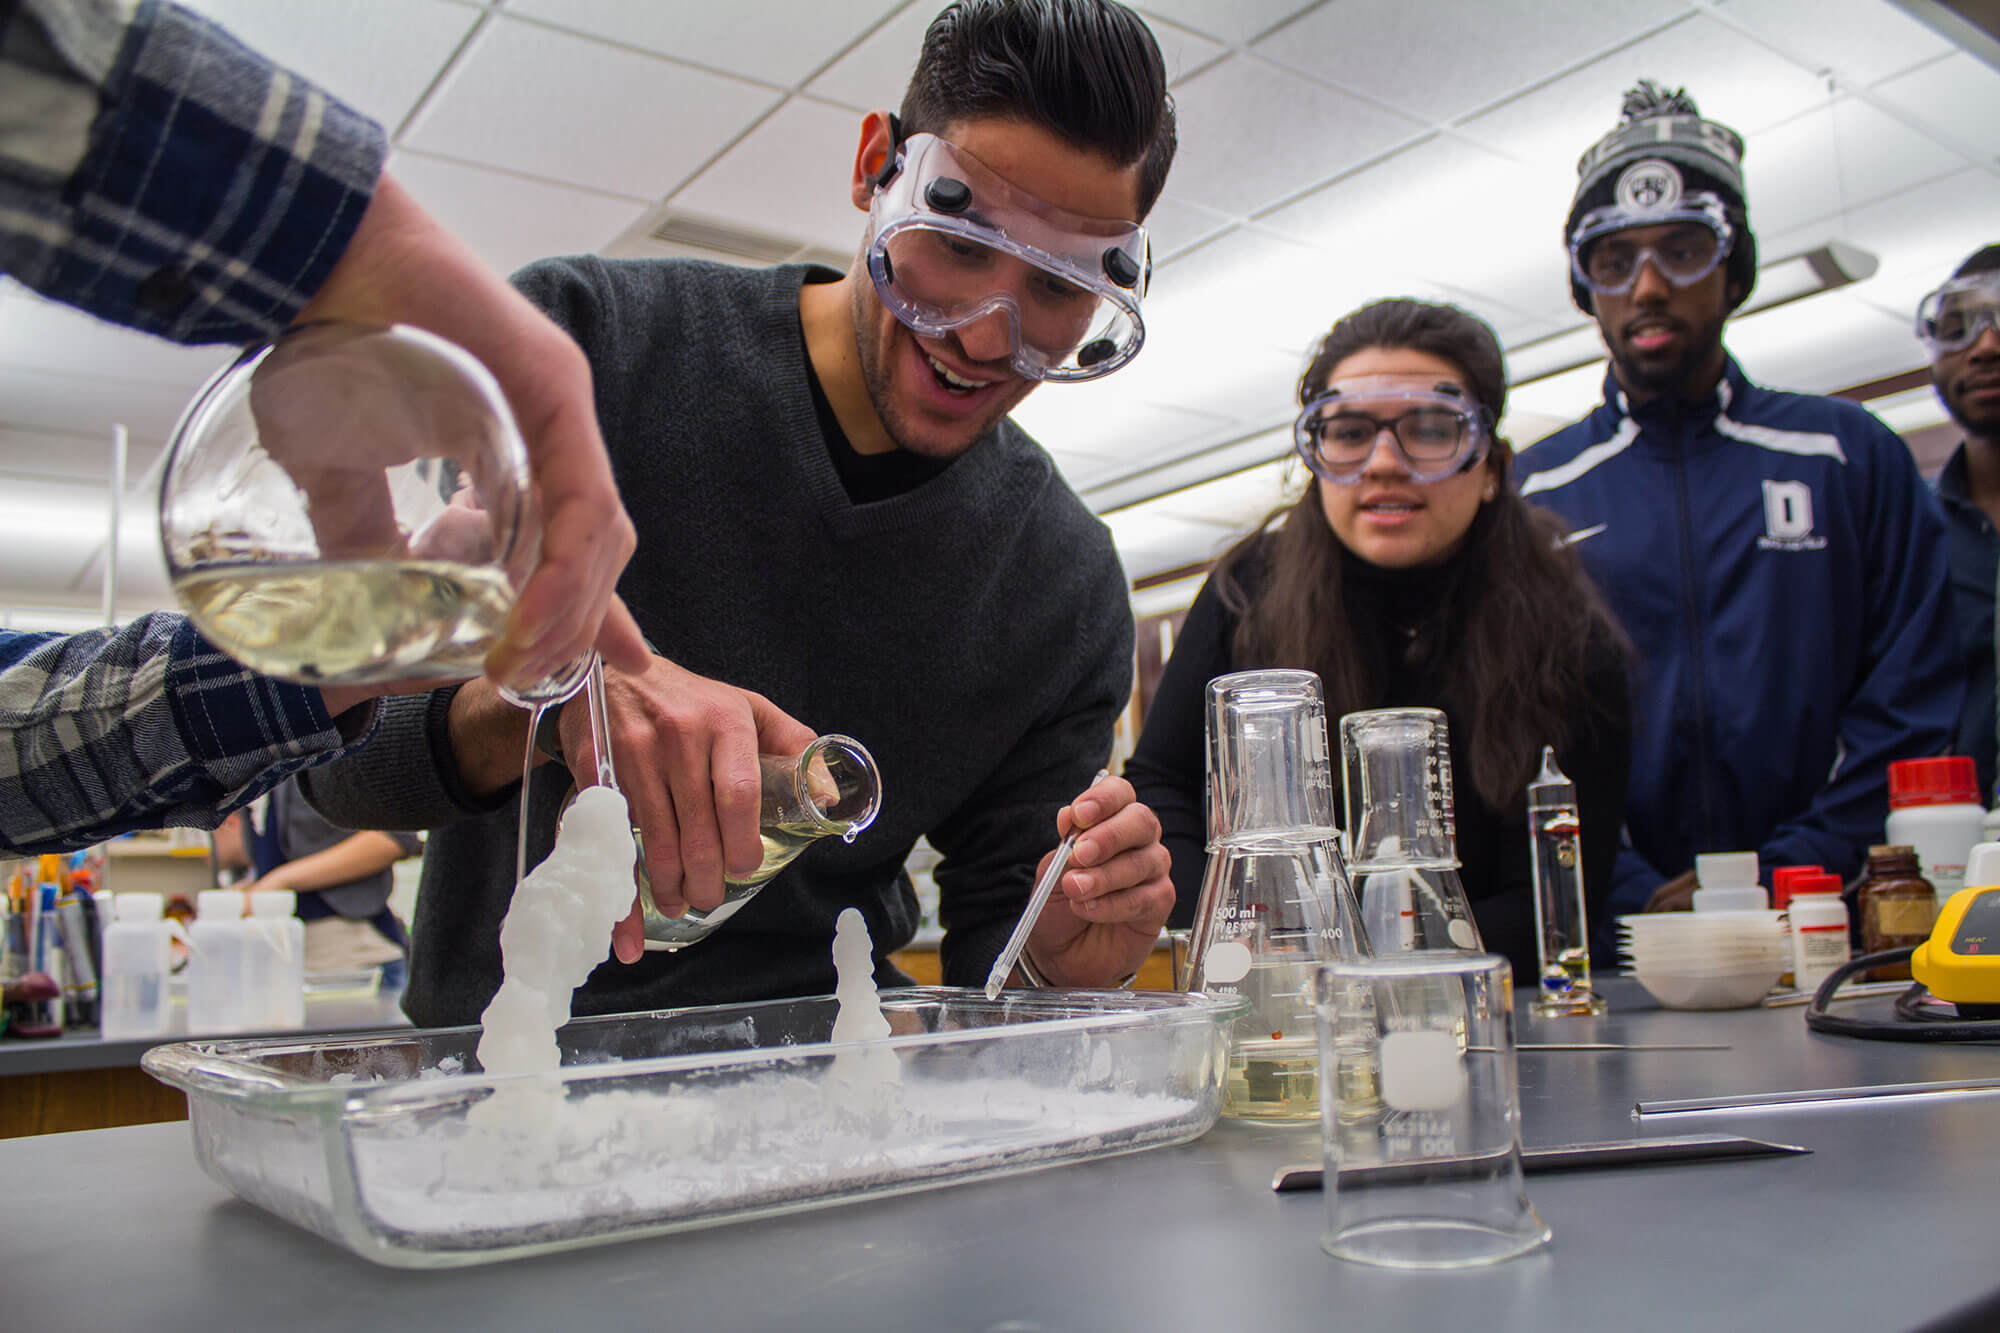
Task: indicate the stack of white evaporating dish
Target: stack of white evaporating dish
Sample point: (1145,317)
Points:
(1705,960)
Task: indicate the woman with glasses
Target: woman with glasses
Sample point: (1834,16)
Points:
(1411,573)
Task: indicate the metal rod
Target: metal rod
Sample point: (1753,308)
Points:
(1610,1046)
(1559,1157)
(119,446)
(1813,1096)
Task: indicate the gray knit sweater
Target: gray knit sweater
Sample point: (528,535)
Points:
(974,633)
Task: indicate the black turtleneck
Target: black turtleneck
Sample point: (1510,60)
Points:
(1404,624)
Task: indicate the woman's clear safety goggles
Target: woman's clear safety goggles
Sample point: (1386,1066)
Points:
(1607,259)
(952,243)
(1951,318)
(1436,434)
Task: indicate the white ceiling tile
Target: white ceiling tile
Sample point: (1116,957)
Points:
(1182,50)
(1232,156)
(1840,156)
(1227,20)
(1927,231)
(1104,421)
(1863,40)
(1455,215)
(60,456)
(1821,344)
(508,220)
(1439,59)
(781,41)
(789,176)
(38,333)
(1174,226)
(89,405)
(874,73)
(528,99)
(1079,470)
(1733,78)
(1238,501)
(1149,543)
(1958,96)
(375,55)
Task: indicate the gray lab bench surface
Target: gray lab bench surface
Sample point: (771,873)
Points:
(1886,1225)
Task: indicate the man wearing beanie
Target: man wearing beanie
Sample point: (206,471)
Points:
(1959,325)
(1776,559)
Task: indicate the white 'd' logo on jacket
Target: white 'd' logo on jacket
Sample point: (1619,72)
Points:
(1788,518)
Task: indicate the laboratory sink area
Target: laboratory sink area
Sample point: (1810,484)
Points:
(1190,1235)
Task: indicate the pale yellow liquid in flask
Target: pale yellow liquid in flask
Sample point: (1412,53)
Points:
(1273,1070)
(351,621)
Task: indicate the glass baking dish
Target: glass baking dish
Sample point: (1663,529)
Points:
(397,1148)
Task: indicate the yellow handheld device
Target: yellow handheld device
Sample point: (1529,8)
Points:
(1960,962)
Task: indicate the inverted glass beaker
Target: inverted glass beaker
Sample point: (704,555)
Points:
(1268,764)
(1402,838)
(1421,1118)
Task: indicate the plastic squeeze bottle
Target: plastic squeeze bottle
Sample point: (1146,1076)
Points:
(1728,883)
(136,962)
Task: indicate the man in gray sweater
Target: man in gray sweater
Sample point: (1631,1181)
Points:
(837,518)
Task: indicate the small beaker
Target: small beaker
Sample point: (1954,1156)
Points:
(831,787)
(1268,766)
(1273,908)
(1402,838)
(1421,1127)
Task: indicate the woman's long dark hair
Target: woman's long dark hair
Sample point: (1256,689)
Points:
(1523,623)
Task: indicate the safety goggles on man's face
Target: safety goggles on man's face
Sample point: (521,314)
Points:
(1606,257)
(951,243)
(1436,433)
(1951,318)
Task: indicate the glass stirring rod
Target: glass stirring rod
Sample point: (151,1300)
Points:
(1004,964)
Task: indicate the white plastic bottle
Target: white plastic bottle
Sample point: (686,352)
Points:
(136,964)
(219,945)
(1934,807)
(1819,929)
(276,961)
(1729,883)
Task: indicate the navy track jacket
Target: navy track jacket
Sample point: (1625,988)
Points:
(1781,569)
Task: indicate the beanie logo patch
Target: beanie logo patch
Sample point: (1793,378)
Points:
(1649,185)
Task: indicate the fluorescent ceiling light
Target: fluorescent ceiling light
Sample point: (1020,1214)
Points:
(1824,268)
(1911,410)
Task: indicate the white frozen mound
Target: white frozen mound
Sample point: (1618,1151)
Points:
(864,1081)
(555,933)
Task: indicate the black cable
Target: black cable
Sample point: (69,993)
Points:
(1927,1029)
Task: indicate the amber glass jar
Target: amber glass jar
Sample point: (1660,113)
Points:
(1896,904)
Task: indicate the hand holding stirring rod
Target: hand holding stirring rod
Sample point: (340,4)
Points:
(1011,954)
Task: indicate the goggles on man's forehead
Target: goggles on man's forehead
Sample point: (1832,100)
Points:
(1951,318)
(1697,237)
(951,243)
(1437,433)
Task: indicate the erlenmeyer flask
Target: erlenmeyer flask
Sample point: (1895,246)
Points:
(351,505)
(831,787)
(1396,768)
(1274,906)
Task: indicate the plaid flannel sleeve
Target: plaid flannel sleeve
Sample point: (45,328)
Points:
(157,173)
(141,727)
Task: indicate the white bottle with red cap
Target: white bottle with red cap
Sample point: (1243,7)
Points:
(1934,807)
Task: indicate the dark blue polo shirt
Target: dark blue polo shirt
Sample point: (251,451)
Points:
(1975,569)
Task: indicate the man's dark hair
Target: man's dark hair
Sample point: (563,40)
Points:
(1983,260)
(1086,70)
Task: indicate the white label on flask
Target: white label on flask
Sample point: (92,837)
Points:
(1226,962)
(1422,1071)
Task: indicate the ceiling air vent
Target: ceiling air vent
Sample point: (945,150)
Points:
(675,231)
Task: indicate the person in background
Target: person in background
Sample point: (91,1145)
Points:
(1775,558)
(1411,573)
(841,517)
(1959,325)
(158,174)
(342,879)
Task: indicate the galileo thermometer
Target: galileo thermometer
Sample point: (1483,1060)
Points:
(1562,930)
